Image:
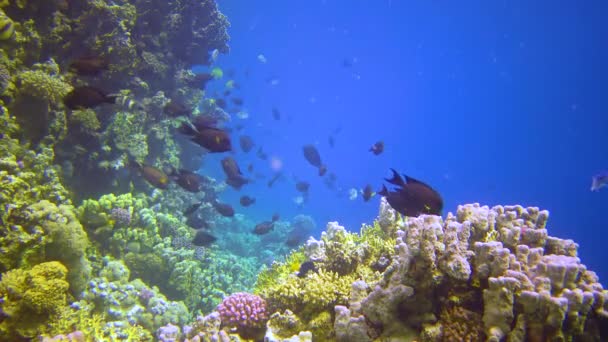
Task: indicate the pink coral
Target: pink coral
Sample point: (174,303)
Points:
(243,310)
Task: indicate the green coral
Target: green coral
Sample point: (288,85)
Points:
(31,299)
(86,118)
(126,134)
(44,82)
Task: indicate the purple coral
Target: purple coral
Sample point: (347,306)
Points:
(121,216)
(243,310)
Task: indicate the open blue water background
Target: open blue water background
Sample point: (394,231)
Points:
(499,102)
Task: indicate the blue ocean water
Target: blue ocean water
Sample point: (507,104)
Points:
(500,102)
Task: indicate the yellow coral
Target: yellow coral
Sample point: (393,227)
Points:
(40,84)
(32,299)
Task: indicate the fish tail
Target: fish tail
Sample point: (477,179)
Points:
(395,179)
(383,191)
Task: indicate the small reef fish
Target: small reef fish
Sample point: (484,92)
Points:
(187,180)
(261,154)
(599,181)
(7,26)
(246,143)
(192,209)
(368,193)
(302,186)
(199,80)
(220,103)
(175,109)
(203,239)
(377,148)
(412,197)
(262,59)
(237,101)
(213,139)
(275,217)
(264,227)
(89,65)
(156,177)
(87,97)
(223,209)
(331,141)
(246,201)
(314,158)
(305,268)
(276,114)
(233,173)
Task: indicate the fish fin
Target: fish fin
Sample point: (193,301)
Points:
(187,129)
(396,179)
(411,180)
(383,191)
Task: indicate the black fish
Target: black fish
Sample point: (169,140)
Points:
(175,109)
(312,156)
(250,168)
(213,139)
(89,65)
(276,114)
(224,209)
(367,193)
(246,201)
(199,80)
(203,238)
(302,186)
(220,103)
(274,179)
(331,141)
(261,154)
(246,143)
(275,217)
(412,197)
(87,97)
(305,267)
(237,101)
(188,180)
(377,148)
(266,226)
(155,176)
(233,173)
(191,209)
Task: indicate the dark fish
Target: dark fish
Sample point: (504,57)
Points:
(199,80)
(261,154)
(220,103)
(227,92)
(175,109)
(250,168)
(312,156)
(234,176)
(197,222)
(276,114)
(203,239)
(156,177)
(246,143)
(87,97)
(599,181)
(274,179)
(200,122)
(275,217)
(331,141)
(224,209)
(367,193)
(305,267)
(213,139)
(237,101)
(377,148)
(263,228)
(412,197)
(302,186)
(89,65)
(191,209)
(188,180)
(246,201)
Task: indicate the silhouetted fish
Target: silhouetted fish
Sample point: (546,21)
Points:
(265,227)
(276,114)
(599,181)
(199,81)
(175,109)
(87,97)
(233,173)
(188,180)
(331,141)
(191,209)
(377,148)
(367,193)
(213,139)
(412,197)
(203,239)
(261,154)
(246,201)
(246,143)
(312,156)
(220,103)
(89,65)
(224,209)
(305,267)
(237,101)
(302,186)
